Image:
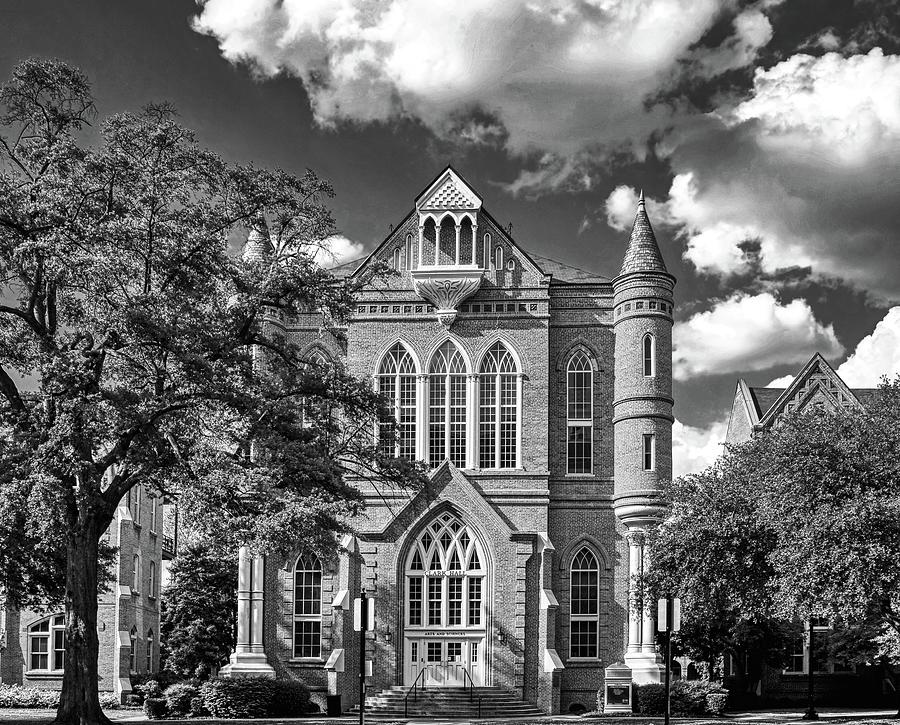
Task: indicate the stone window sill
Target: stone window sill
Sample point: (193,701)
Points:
(43,675)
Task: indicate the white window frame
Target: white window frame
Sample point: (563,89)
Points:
(585,616)
(151,586)
(648,356)
(132,655)
(648,452)
(307,565)
(584,422)
(448,363)
(136,574)
(496,355)
(402,369)
(55,624)
(152,502)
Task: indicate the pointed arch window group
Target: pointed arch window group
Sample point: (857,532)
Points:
(584,605)
(468,419)
(579,413)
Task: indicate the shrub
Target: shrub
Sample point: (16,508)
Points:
(197,707)
(289,699)
(155,708)
(250,698)
(110,701)
(716,703)
(650,699)
(690,698)
(26,697)
(151,688)
(178,698)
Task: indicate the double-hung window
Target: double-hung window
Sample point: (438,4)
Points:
(579,414)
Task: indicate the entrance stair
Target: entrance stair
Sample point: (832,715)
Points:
(449,702)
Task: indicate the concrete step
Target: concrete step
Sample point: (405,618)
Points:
(448,702)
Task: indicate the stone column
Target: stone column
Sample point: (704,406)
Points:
(421,241)
(458,227)
(635,549)
(243,601)
(648,620)
(249,656)
(257,568)
(474,241)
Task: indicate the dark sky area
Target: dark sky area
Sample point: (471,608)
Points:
(766,136)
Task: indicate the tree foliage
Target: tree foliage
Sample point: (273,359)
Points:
(199,611)
(137,345)
(801,521)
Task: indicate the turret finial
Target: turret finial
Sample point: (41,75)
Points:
(643,253)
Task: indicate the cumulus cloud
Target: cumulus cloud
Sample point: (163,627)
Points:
(752,31)
(781,382)
(336,250)
(746,333)
(696,448)
(876,355)
(560,77)
(806,167)
(621,206)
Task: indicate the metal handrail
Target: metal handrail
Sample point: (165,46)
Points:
(414,688)
(467,676)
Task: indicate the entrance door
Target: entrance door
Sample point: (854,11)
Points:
(445,614)
(445,661)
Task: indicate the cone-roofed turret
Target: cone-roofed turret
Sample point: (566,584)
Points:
(258,244)
(643,253)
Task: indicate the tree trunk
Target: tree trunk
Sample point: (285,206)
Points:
(79,702)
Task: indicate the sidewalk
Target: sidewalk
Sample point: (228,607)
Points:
(832,715)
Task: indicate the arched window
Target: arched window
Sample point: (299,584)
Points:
(649,354)
(498,258)
(445,572)
(584,605)
(47,644)
(136,573)
(132,655)
(579,414)
(447,406)
(397,259)
(150,650)
(408,256)
(308,607)
(151,587)
(498,409)
(487,251)
(396,381)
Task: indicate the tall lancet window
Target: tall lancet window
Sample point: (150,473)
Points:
(498,405)
(447,406)
(308,607)
(584,605)
(649,351)
(579,413)
(396,380)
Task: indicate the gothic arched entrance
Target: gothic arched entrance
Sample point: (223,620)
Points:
(445,618)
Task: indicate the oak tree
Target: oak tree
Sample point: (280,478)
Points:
(138,345)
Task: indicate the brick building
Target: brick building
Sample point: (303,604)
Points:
(32,642)
(815,387)
(541,397)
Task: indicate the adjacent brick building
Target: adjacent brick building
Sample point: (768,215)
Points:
(541,396)
(32,642)
(815,387)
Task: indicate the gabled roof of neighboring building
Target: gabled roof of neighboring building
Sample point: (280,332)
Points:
(566,272)
(816,384)
(643,253)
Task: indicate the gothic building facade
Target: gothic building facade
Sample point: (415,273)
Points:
(540,397)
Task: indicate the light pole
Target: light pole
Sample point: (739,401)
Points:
(668,620)
(811,713)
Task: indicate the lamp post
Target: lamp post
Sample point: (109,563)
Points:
(811,713)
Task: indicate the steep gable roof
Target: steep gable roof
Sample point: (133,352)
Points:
(816,384)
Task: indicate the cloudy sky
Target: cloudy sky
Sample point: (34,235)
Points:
(766,136)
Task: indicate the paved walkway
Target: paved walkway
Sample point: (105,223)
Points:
(832,715)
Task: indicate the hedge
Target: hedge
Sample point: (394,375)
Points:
(35,697)
(690,698)
(254,697)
